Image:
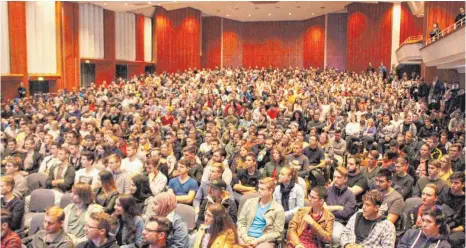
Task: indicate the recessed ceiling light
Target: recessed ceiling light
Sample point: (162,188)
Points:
(270,14)
(249,14)
(312,13)
(289,13)
(228,15)
(126,4)
(148,2)
(105,3)
(160,4)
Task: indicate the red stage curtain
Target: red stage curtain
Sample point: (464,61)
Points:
(211,41)
(178,39)
(369,35)
(232,43)
(314,42)
(410,25)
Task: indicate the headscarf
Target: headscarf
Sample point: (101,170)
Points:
(166,202)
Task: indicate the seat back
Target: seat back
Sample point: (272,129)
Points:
(187,213)
(411,203)
(41,199)
(244,198)
(37,222)
(36,181)
(65,200)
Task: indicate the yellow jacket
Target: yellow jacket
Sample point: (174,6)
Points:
(226,239)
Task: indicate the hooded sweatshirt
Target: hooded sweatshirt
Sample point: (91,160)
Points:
(414,238)
(111,243)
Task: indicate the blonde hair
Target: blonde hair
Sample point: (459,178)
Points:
(268,181)
(342,170)
(56,212)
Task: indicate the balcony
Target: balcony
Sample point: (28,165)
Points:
(408,52)
(446,51)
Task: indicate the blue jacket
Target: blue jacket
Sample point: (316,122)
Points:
(178,238)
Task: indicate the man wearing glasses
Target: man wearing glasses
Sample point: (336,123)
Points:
(97,231)
(156,232)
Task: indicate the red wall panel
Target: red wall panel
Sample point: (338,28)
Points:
(105,71)
(70,77)
(314,42)
(211,41)
(178,39)
(369,35)
(336,40)
(139,37)
(18,46)
(277,44)
(232,43)
(410,25)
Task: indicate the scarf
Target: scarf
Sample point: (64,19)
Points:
(285,191)
(167,202)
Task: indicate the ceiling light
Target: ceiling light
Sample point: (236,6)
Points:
(105,3)
(228,15)
(126,4)
(289,13)
(249,14)
(148,2)
(270,14)
(312,13)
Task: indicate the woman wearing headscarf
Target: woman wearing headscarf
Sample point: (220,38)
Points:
(164,206)
(140,189)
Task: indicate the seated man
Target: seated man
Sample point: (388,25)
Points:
(312,226)
(88,173)
(98,228)
(429,198)
(392,202)
(122,178)
(53,234)
(216,171)
(357,182)
(156,232)
(11,202)
(453,206)
(218,157)
(433,171)
(12,168)
(246,181)
(401,178)
(261,220)
(369,229)
(9,237)
(131,163)
(299,161)
(183,186)
(61,176)
(341,202)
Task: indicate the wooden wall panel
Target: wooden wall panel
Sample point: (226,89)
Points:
(139,38)
(232,43)
(314,42)
(211,41)
(71,67)
(18,46)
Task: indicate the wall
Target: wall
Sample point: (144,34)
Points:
(232,43)
(410,25)
(369,35)
(71,68)
(314,42)
(178,39)
(211,42)
(336,40)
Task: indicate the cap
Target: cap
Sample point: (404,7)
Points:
(219,184)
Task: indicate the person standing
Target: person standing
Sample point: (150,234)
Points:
(22,91)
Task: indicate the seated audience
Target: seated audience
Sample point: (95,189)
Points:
(98,227)
(402,179)
(357,182)
(164,206)
(312,226)
(52,234)
(9,238)
(368,228)
(276,163)
(217,230)
(107,194)
(140,189)
(247,180)
(456,157)
(61,176)
(51,160)
(88,173)
(452,205)
(122,177)
(433,232)
(12,168)
(298,160)
(433,170)
(183,186)
(216,172)
(157,180)
(370,171)
(392,202)
(262,219)
(219,158)
(429,198)
(131,163)
(217,194)
(32,158)
(156,232)
(128,225)
(12,203)
(289,193)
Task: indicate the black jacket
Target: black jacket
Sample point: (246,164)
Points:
(16,208)
(69,179)
(111,243)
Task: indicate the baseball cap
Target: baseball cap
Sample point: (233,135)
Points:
(219,184)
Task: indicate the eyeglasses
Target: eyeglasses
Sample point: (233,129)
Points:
(152,230)
(90,227)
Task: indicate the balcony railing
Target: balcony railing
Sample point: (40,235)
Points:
(447,30)
(412,39)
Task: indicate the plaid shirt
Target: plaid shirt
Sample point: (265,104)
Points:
(382,235)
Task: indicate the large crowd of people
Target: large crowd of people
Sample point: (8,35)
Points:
(262,157)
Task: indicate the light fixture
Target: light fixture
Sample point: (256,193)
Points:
(289,13)
(270,14)
(148,2)
(126,4)
(40,78)
(105,3)
(87,61)
(249,14)
(312,13)
(228,15)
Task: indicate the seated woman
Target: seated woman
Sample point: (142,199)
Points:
(77,213)
(218,194)
(164,206)
(10,202)
(141,192)
(218,229)
(432,233)
(107,193)
(276,163)
(129,225)
(289,193)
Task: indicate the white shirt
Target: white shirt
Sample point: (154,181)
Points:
(132,167)
(91,177)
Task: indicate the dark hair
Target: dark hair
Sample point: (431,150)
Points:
(321,192)
(457,176)
(143,190)
(6,217)
(222,222)
(437,214)
(373,196)
(107,180)
(221,151)
(89,156)
(384,172)
(84,192)
(163,224)
(128,204)
(104,220)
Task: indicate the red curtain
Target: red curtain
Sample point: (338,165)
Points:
(314,42)
(369,35)
(410,25)
(443,13)
(178,39)
(336,40)
(232,43)
(211,41)
(139,37)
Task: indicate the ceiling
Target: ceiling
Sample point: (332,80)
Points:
(241,11)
